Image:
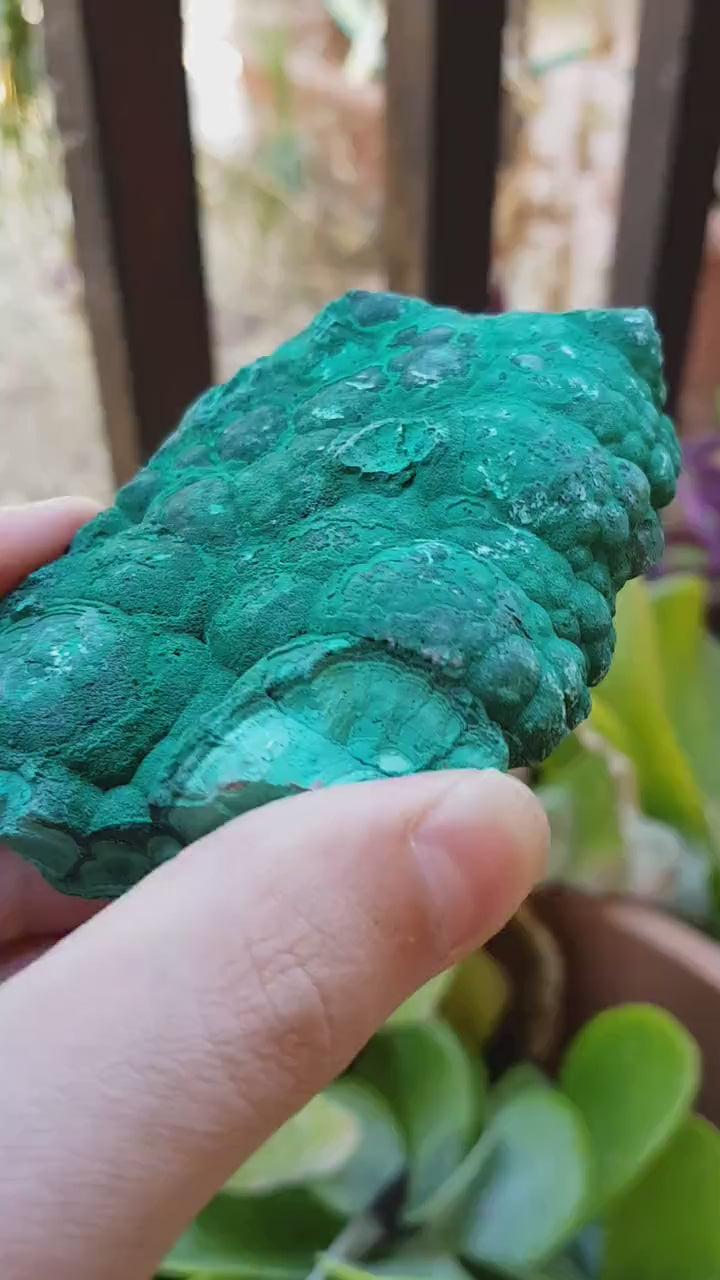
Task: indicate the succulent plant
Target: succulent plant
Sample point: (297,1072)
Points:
(417,1164)
(392,546)
(634,794)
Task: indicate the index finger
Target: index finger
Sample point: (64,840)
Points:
(41,531)
(146,1056)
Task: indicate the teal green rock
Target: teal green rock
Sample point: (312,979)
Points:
(392,546)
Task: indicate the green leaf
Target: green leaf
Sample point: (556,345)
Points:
(583,807)
(533,1184)
(433,1266)
(275,1237)
(679,604)
(594,794)
(668,1226)
(333,1270)
(590,797)
(437,1093)
(559,1269)
(587,1250)
(477,999)
(610,726)
(516,1080)
(315,1143)
(424,1003)
(405,1265)
(601,840)
(690,659)
(520,1192)
(378,1159)
(634,692)
(633,1072)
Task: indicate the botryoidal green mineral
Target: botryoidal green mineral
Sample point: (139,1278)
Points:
(392,546)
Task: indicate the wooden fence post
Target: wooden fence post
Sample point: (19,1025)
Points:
(670,163)
(122,111)
(444,72)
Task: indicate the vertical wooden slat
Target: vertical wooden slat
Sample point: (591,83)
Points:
(670,162)
(122,110)
(443,130)
(67,66)
(410,39)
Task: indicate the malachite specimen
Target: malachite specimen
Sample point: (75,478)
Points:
(394,545)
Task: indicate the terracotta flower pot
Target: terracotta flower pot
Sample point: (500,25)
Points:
(618,951)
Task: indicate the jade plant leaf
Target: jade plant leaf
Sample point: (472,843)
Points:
(423,1266)
(436,1091)
(316,1143)
(522,1190)
(633,1073)
(690,659)
(587,787)
(404,1266)
(586,1250)
(333,1270)
(476,999)
(425,1002)
(534,1188)
(378,1159)
(274,1237)
(613,827)
(517,1079)
(634,691)
(393,545)
(583,808)
(559,1269)
(602,840)
(668,1226)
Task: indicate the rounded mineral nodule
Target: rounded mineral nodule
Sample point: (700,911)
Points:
(393,545)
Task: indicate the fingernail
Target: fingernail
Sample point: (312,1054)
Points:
(480,849)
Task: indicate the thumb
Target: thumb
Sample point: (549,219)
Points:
(146,1056)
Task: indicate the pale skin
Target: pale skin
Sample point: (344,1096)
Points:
(148,1047)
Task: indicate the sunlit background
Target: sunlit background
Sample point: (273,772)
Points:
(287,114)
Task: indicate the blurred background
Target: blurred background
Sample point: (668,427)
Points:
(287,108)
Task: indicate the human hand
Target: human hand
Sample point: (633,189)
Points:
(32,915)
(145,1055)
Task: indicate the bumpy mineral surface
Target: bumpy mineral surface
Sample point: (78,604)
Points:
(392,546)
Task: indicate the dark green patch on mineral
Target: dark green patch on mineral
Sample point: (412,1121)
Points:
(392,546)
